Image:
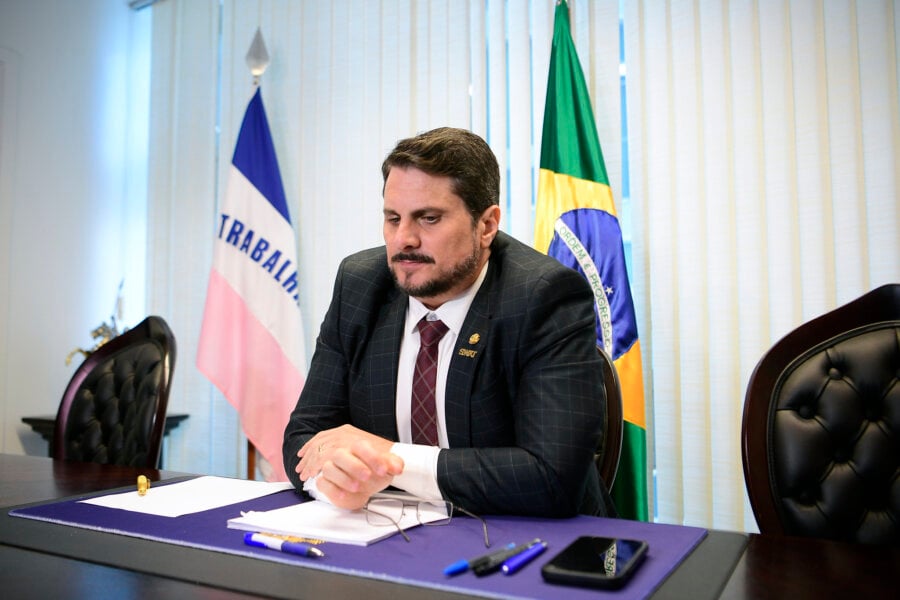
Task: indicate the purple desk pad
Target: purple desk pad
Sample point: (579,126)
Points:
(419,562)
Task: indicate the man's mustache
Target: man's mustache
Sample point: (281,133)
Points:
(412,257)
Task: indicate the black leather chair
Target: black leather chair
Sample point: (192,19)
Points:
(114,409)
(821,426)
(610,450)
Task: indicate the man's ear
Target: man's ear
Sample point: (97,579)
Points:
(489,222)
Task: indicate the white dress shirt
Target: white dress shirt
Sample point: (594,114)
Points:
(419,475)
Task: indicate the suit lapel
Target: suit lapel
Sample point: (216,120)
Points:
(385,345)
(464,363)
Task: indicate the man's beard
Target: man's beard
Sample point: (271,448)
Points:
(445,280)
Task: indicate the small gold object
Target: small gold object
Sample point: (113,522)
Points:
(102,333)
(143,484)
(474,338)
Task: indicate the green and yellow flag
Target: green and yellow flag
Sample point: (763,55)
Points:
(576,223)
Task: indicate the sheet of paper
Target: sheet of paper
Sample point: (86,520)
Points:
(320,520)
(191,496)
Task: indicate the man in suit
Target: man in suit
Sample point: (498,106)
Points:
(519,398)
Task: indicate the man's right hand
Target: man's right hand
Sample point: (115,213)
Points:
(353,474)
(350,464)
(321,448)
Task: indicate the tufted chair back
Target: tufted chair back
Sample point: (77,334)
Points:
(114,409)
(821,426)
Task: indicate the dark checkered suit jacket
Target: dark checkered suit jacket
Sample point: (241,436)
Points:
(524,398)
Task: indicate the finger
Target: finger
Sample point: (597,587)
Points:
(317,451)
(306,449)
(310,468)
(304,454)
(303,466)
(312,445)
(395,464)
(353,465)
(346,474)
(334,494)
(343,499)
(366,453)
(381,463)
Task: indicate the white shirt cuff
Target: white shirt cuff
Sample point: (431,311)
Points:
(311,488)
(419,476)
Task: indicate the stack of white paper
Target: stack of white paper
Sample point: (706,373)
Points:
(323,521)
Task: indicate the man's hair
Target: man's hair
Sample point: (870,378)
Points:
(455,153)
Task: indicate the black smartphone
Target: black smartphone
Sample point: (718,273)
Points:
(596,562)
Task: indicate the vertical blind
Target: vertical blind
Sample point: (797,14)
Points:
(764,160)
(762,156)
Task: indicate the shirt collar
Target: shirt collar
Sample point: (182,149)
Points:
(452,312)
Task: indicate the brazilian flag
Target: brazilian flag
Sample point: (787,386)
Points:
(576,223)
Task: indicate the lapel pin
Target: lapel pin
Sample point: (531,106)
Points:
(474,338)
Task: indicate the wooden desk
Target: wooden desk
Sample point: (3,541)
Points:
(807,568)
(107,565)
(45,426)
(29,574)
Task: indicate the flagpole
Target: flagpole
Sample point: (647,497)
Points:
(257,60)
(576,222)
(251,338)
(257,57)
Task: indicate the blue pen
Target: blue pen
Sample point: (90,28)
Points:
(461,566)
(261,540)
(518,561)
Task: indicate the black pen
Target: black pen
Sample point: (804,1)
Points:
(493,562)
(461,566)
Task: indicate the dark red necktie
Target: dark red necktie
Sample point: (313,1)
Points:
(424,413)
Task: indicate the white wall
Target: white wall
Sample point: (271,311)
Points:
(72,192)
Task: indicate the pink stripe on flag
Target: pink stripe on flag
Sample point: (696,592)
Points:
(239,355)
